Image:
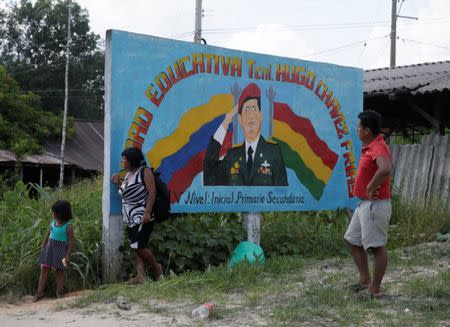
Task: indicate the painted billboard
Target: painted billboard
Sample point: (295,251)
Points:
(230,130)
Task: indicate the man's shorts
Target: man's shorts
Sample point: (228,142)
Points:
(369,224)
(139,235)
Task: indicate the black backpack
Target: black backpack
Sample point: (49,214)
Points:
(161,208)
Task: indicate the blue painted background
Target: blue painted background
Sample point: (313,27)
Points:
(137,59)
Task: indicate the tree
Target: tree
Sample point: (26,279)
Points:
(32,47)
(23,126)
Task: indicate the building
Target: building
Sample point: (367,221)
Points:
(413,99)
(83,158)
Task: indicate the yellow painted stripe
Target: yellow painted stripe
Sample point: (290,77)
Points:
(190,122)
(298,143)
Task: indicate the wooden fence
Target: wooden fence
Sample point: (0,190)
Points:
(421,171)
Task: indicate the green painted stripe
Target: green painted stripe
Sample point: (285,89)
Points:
(305,175)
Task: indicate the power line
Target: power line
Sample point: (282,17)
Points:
(65,40)
(370,24)
(343,46)
(365,44)
(59,90)
(426,43)
(29,67)
(319,26)
(399,9)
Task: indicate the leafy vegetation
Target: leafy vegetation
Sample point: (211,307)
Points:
(33,37)
(23,126)
(23,224)
(415,222)
(185,245)
(309,234)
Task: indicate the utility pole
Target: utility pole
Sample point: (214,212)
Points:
(394,16)
(66,99)
(393,31)
(198,22)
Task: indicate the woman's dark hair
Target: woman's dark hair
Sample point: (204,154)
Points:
(135,157)
(370,119)
(62,210)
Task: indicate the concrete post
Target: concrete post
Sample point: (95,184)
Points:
(112,231)
(112,239)
(252,223)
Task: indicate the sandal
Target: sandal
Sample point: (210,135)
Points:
(37,297)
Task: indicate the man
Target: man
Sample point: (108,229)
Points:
(256,162)
(369,224)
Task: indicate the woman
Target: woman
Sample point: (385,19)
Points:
(138,192)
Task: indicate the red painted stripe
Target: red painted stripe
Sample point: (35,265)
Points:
(182,178)
(284,113)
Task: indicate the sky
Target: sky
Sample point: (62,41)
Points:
(347,32)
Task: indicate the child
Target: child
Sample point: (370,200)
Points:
(57,248)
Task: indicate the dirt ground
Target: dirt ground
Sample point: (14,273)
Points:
(237,311)
(53,312)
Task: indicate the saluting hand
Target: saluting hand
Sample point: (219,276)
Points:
(229,117)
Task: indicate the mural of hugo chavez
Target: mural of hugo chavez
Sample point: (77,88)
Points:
(256,162)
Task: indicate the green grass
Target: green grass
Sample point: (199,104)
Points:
(436,286)
(214,283)
(417,256)
(293,290)
(24,222)
(198,246)
(415,222)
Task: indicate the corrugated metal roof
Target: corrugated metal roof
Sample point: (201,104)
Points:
(415,79)
(85,150)
(7,156)
(36,159)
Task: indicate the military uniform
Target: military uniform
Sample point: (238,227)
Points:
(268,167)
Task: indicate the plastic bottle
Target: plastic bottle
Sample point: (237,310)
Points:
(202,311)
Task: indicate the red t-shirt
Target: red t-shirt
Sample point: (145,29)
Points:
(367,168)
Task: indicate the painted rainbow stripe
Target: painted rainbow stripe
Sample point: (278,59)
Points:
(179,157)
(190,122)
(303,151)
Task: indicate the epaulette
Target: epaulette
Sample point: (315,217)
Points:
(271,141)
(237,145)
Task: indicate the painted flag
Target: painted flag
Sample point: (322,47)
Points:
(303,151)
(179,157)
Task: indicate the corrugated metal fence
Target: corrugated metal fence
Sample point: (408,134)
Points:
(421,171)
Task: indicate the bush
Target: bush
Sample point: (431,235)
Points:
(24,222)
(192,242)
(186,243)
(415,222)
(310,234)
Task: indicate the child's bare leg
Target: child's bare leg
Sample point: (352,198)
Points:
(42,282)
(59,282)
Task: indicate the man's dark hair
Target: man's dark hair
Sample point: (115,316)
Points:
(370,119)
(62,210)
(135,157)
(258,99)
